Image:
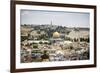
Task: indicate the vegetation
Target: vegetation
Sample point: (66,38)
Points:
(84,39)
(37,51)
(40,42)
(35,45)
(45,42)
(24,38)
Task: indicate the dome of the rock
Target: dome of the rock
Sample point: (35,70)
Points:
(56,35)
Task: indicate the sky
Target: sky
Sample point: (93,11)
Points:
(63,18)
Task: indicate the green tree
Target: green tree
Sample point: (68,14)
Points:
(23,38)
(40,42)
(35,45)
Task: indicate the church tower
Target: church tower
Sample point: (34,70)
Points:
(51,22)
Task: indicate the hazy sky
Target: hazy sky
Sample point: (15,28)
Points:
(68,19)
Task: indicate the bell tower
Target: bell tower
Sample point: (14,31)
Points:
(51,22)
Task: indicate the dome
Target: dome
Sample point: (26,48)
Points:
(56,34)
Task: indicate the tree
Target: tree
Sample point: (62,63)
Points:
(38,32)
(88,40)
(67,32)
(45,42)
(49,43)
(40,42)
(23,38)
(35,45)
(75,39)
(71,47)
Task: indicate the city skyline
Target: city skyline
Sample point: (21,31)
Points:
(61,18)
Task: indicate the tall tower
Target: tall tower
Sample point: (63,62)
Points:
(51,22)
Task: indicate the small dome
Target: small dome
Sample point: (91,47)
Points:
(56,34)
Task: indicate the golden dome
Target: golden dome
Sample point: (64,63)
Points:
(56,34)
